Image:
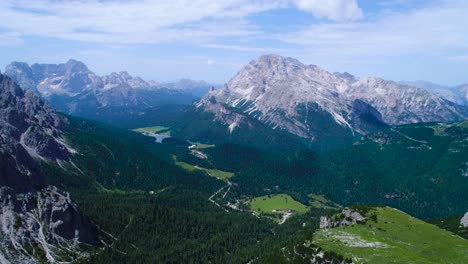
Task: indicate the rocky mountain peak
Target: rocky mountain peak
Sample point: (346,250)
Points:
(75,66)
(124,79)
(71,67)
(20,66)
(290,95)
(122,76)
(22,73)
(345,75)
(275,61)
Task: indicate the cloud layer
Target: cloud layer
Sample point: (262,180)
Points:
(337,10)
(438,29)
(336,34)
(153,21)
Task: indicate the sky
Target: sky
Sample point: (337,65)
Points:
(210,40)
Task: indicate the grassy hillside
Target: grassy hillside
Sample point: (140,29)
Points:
(223,175)
(394,237)
(268,203)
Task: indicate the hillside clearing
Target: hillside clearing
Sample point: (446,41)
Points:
(223,175)
(395,238)
(153,130)
(279,207)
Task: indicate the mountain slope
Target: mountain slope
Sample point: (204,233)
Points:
(313,103)
(418,168)
(381,235)
(38,222)
(29,130)
(457,94)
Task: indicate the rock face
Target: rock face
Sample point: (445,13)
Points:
(35,219)
(346,218)
(222,113)
(28,129)
(464,220)
(72,88)
(46,221)
(309,101)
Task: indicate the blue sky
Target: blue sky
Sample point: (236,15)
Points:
(211,39)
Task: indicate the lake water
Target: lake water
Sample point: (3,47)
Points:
(159,137)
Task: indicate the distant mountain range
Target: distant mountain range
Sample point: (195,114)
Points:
(196,88)
(276,91)
(73,89)
(315,104)
(457,94)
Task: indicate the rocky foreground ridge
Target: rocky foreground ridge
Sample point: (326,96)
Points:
(37,222)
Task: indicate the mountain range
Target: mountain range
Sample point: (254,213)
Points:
(241,176)
(457,94)
(280,92)
(74,89)
(313,103)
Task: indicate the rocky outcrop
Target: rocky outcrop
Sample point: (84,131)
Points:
(223,114)
(287,94)
(345,218)
(310,253)
(42,224)
(464,220)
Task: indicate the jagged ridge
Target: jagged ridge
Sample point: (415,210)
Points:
(36,220)
(287,94)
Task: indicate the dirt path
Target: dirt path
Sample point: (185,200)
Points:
(228,188)
(285,217)
(410,138)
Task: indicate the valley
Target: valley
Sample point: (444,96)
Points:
(233,132)
(221,182)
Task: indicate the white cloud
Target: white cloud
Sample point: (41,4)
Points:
(210,62)
(435,30)
(337,10)
(146,21)
(246,48)
(9,38)
(153,21)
